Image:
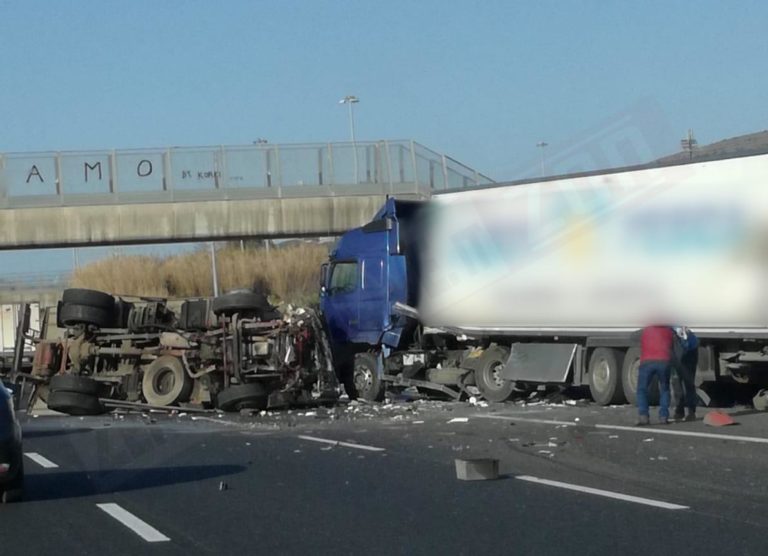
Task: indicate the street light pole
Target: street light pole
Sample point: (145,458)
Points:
(350,100)
(214,271)
(542,145)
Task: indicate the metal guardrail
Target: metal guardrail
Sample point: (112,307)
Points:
(227,172)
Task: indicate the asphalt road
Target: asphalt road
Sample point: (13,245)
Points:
(158,484)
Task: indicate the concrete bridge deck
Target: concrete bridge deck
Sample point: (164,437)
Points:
(215,193)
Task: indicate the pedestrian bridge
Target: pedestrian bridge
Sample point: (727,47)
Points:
(54,199)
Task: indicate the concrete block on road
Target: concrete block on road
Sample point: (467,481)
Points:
(481,469)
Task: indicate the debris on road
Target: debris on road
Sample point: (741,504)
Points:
(459,420)
(760,401)
(718,419)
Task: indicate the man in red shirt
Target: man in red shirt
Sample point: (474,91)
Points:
(656,356)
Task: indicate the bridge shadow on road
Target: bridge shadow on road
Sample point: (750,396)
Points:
(74,484)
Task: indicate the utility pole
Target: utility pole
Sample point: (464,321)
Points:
(689,144)
(350,100)
(542,145)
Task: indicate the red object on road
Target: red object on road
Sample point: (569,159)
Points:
(718,419)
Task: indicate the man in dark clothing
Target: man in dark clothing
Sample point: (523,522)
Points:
(656,355)
(688,345)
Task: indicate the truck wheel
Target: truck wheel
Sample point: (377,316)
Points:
(165,382)
(368,383)
(74,383)
(90,298)
(629,373)
(488,379)
(72,314)
(605,376)
(241,302)
(73,403)
(243,396)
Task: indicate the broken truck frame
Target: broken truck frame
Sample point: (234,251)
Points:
(232,352)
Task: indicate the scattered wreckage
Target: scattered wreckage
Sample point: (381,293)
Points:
(232,352)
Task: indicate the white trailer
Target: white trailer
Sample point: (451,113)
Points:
(547,281)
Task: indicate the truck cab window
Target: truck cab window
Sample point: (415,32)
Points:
(343,278)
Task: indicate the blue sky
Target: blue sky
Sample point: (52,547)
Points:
(480,81)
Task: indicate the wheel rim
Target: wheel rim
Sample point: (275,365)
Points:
(164,382)
(601,375)
(363,379)
(493,377)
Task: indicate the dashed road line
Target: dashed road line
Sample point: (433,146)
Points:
(40,460)
(138,526)
(345,444)
(604,493)
(642,430)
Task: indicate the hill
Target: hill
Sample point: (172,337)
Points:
(742,145)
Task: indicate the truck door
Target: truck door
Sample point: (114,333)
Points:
(374,306)
(341,305)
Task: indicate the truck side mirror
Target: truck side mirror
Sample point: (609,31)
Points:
(323,276)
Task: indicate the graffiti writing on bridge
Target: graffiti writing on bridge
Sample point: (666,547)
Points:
(143,169)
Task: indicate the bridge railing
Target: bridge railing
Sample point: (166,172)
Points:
(227,172)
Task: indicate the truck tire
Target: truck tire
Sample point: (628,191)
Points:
(74,383)
(91,298)
(243,396)
(73,403)
(72,314)
(241,302)
(368,383)
(605,366)
(629,372)
(165,382)
(488,377)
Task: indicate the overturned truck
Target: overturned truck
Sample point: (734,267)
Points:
(232,352)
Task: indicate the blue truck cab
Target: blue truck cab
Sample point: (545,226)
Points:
(371,268)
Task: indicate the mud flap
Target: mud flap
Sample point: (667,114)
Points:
(539,362)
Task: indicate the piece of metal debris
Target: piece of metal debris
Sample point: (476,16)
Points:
(459,420)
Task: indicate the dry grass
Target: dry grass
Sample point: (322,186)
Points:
(290,274)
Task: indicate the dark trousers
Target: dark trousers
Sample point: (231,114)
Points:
(662,370)
(687,373)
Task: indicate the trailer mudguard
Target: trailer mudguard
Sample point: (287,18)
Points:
(539,362)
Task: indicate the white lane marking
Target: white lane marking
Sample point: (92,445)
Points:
(138,526)
(345,444)
(605,493)
(755,439)
(40,460)
(644,430)
(528,420)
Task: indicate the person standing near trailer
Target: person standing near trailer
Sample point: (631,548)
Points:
(688,345)
(656,356)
